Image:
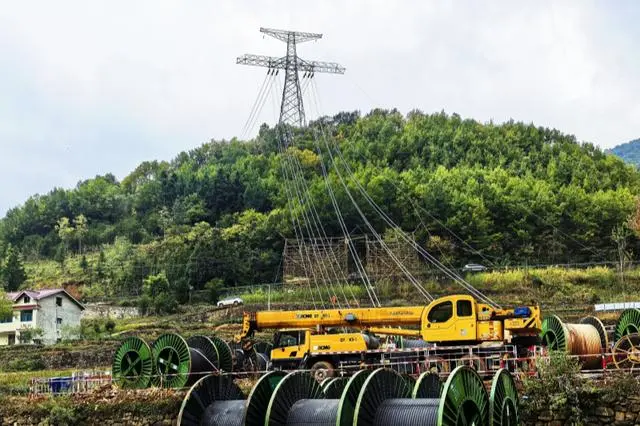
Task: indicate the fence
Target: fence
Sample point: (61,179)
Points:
(80,382)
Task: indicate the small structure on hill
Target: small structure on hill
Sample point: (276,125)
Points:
(38,316)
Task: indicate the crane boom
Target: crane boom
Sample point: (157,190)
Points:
(312,318)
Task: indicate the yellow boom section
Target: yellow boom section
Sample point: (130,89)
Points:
(355,317)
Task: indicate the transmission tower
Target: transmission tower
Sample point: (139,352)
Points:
(291,108)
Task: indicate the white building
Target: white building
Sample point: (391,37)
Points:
(47,310)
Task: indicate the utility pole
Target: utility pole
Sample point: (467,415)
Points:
(291,108)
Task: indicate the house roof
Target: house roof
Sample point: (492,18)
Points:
(42,294)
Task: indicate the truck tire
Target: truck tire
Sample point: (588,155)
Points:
(322,370)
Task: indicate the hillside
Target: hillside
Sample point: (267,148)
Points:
(629,152)
(219,213)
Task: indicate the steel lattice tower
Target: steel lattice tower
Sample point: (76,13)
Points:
(291,108)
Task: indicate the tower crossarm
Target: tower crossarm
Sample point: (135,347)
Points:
(261,61)
(300,64)
(293,36)
(320,66)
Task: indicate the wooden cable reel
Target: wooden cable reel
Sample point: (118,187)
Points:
(626,350)
(586,340)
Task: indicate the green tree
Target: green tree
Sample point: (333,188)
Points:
(155,285)
(6,308)
(65,233)
(620,235)
(80,230)
(157,295)
(214,287)
(13,273)
(84,264)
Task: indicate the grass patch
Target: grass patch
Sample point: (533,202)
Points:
(301,294)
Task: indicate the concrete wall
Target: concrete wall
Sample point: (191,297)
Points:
(104,310)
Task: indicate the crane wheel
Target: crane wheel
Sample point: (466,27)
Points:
(322,370)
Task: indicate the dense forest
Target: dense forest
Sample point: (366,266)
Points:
(513,192)
(629,152)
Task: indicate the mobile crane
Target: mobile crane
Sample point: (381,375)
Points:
(449,327)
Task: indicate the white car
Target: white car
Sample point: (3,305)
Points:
(474,267)
(230,301)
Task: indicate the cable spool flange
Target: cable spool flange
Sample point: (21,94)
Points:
(503,400)
(349,398)
(172,360)
(428,385)
(239,357)
(464,399)
(330,411)
(628,323)
(292,388)
(263,347)
(259,361)
(411,381)
(554,334)
(212,400)
(225,357)
(626,352)
(206,347)
(602,331)
(334,387)
(258,401)
(326,381)
(381,385)
(133,364)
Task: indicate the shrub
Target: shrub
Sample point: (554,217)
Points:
(110,325)
(62,416)
(559,387)
(165,303)
(144,304)
(214,287)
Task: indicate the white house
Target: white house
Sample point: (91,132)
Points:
(48,310)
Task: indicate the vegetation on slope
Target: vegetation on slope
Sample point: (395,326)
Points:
(219,213)
(629,152)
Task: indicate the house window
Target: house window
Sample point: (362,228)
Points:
(59,321)
(26,316)
(26,299)
(6,319)
(58,301)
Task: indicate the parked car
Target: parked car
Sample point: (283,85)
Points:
(230,301)
(474,267)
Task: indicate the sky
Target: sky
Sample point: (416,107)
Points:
(95,87)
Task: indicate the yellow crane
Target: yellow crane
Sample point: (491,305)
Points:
(304,338)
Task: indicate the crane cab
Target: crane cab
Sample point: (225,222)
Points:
(290,344)
(450,319)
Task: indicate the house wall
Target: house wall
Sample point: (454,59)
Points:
(49,312)
(7,328)
(45,316)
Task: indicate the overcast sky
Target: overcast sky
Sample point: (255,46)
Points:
(91,87)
